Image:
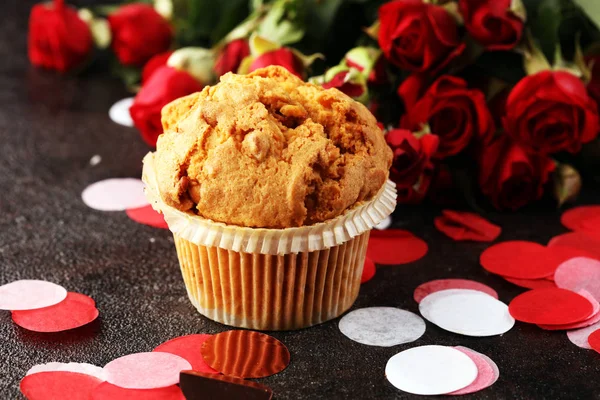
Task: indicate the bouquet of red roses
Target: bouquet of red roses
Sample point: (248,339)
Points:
(493,99)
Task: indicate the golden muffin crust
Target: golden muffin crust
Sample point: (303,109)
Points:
(269,150)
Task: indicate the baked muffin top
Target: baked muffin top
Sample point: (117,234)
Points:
(269,150)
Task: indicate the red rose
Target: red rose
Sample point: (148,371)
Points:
(412,168)
(58,38)
(454,113)
(283,56)
(594,84)
(511,177)
(231,56)
(165,85)
(551,111)
(491,23)
(417,36)
(159,60)
(138,33)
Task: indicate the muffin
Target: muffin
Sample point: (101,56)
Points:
(270,186)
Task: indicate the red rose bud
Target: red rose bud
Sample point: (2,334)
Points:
(164,85)
(370,62)
(283,57)
(231,56)
(492,23)
(139,33)
(509,176)
(549,112)
(58,38)
(347,80)
(418,36)
(455,113)
(412,168)
(157,61)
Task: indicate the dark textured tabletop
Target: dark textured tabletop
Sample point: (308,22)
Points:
(51,126)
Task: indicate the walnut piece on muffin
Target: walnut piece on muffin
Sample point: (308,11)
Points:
(269,150)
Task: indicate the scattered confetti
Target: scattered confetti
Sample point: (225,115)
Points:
(145,370)
(368,270)
(119,112)
(117,194)
(385,223)
(395,246)
(188,347)
(95,160)
(590,244)
(579,337)
(425,289)
(82,368)
(108,391)
(459,225)
(74,311)
(579,273)
(595,317)
(431,370)
(518,259)
(486,373)
(147,216)
(58,385)
(30,294)
(199,386)
(577,218)
(594,340)
(531,283)
(245,354)
(467,312)
(550,306)
(382,326)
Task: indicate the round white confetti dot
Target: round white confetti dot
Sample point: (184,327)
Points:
(30,294)
(95,160)
(82,368)
(116,194)
(579,337)
(386,223)
(119,112)
(430,370)
(382,326)
(467,312)
(151,370)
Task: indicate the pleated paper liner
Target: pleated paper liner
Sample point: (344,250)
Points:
(272,279)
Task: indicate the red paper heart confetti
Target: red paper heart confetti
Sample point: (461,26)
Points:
(531,283)
(145,370)
(577,218)
(188,347)
(594,340)
(368,270)
(58,385)
(583,241)
(459,225)
(579,273)
(74,311)
(486,375)
(198,386)
(395,246)
(245,354)
(427,288)
(30,294)
(518,259)
(147,216)
(595,317)
(108,391)
(550,306)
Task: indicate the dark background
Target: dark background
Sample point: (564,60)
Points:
(50,127)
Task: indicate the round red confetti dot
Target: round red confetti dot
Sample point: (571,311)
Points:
(531,283)
(147,216)
(58,385)
(395,246)
(576,218)
(188,347)
(74,311)
(550,306)
(108,391)
(578,240)
(519,259)
(427,288)
(368,270)
(594,340)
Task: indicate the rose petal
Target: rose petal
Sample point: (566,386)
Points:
(550,306)
(395,246)
(58,385)
(466,226)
